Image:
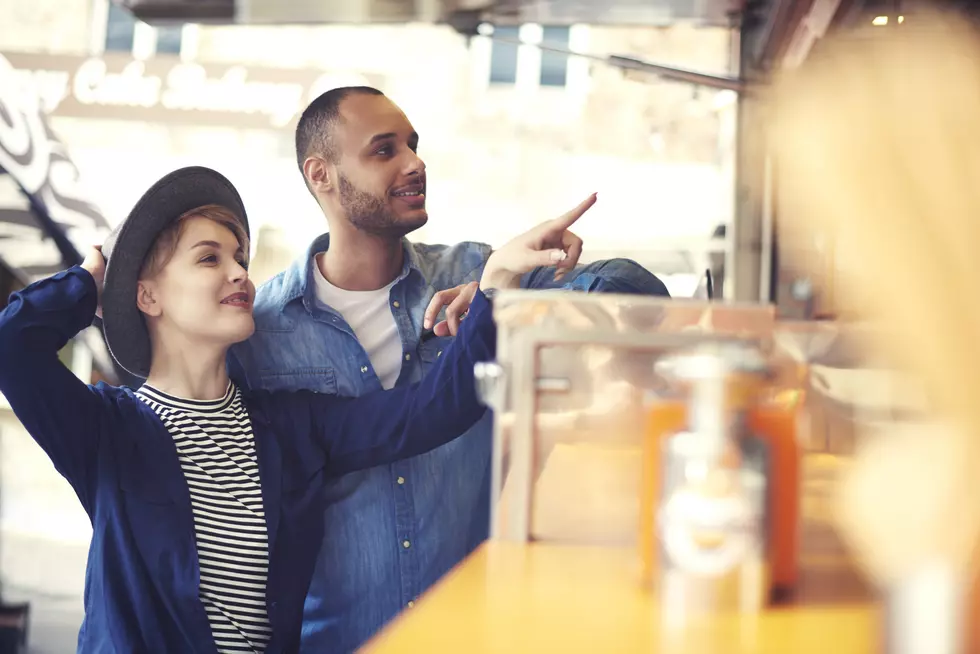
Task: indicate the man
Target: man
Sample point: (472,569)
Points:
(346,319)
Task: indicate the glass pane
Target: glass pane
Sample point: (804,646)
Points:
(554,66)
(119,29)
(169,39)
(585,435)
(503,56)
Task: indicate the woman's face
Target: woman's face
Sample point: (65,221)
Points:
(203,294)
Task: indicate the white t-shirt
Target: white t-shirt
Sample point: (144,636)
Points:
(369,314)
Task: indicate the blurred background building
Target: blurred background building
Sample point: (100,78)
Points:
(511,135)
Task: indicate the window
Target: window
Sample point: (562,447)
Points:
(550,69)
(503,56)
(125,33)
(554,65)
(169,39)
(120,29)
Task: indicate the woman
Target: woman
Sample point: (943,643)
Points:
(205,498)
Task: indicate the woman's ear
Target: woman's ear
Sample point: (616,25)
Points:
(146,299)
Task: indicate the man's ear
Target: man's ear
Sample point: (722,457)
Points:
(146,299)
(320,174)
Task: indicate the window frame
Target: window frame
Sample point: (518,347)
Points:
(144,36)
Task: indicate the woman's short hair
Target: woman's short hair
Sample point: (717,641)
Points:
(166,244)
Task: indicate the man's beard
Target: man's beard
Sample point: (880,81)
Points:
(371,214)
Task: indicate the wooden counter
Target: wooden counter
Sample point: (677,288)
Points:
(544,597)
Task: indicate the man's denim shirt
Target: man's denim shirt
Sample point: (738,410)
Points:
(392,531)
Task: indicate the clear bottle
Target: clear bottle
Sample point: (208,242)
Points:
(712,516)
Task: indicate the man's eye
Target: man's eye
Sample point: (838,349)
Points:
(384,150)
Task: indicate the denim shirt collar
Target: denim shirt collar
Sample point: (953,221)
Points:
(298,278)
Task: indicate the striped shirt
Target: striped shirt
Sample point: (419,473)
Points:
(216,449)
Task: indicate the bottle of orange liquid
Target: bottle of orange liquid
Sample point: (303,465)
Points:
(773,419)
(666,417)
(763,425)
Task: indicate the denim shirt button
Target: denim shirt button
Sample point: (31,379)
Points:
(364,368)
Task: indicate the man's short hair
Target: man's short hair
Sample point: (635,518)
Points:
(315,130)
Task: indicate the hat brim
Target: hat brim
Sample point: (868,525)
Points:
(127,247)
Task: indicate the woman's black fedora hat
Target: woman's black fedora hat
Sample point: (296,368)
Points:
(127,246)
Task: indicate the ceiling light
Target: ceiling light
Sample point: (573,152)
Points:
(880,21)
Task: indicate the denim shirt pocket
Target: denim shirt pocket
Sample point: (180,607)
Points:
(318,379)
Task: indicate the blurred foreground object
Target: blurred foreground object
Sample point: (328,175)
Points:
(602,432)
(878,142)
(728,418)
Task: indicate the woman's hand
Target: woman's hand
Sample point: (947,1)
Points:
(95,264)
(458,300)
(548,244)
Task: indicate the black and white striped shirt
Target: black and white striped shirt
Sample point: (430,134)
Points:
(217,454)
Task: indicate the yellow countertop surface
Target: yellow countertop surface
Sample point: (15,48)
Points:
(510,597)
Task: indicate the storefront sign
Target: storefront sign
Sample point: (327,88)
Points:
(167,90)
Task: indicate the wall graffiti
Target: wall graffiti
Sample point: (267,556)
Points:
(39,163)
